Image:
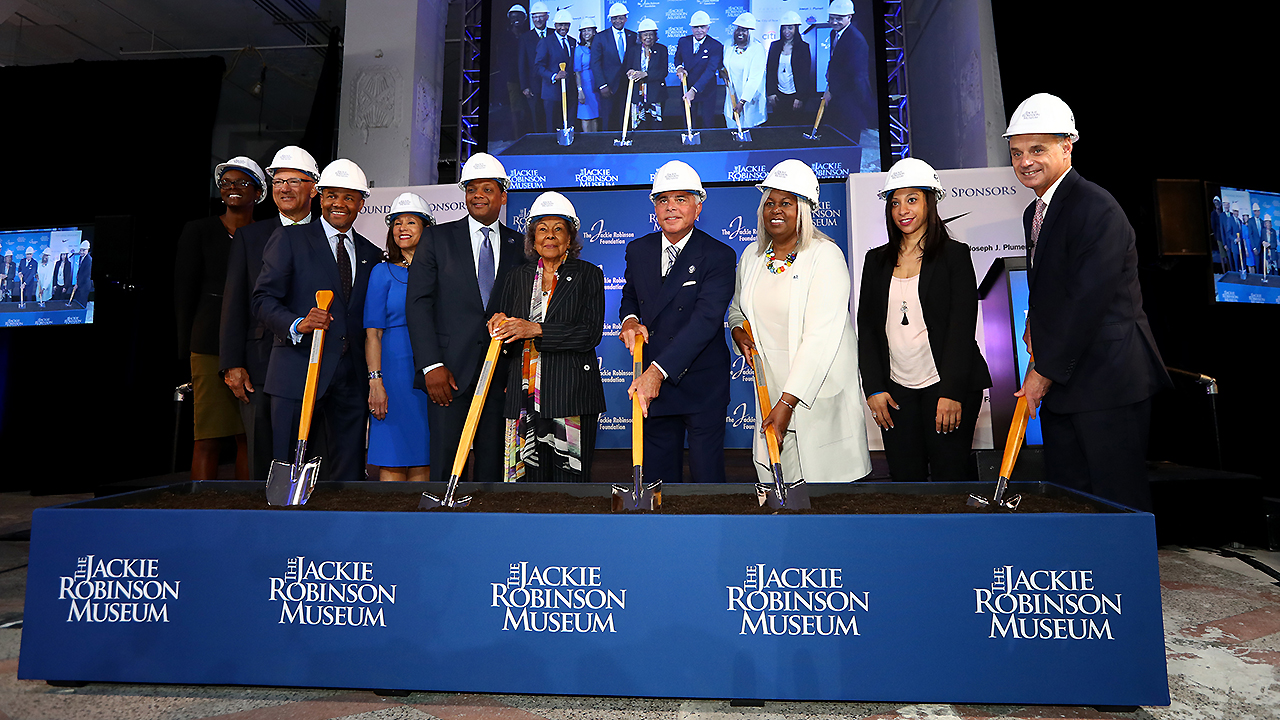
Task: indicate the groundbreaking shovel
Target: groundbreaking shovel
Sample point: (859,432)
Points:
(822,106)
(779,495)
(565,136)
(740,135)
(638,496)
(626,117)
(430,501)
(1012,445)
(691,137)
(291,484)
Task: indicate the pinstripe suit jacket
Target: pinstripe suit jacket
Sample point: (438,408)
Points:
(571,328)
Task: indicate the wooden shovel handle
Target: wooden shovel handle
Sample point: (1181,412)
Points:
(324,298)
(688,117)
(1017,433)
(477,404)
(822,107)
(626,111)
(762,395)
(637,413)
(564,99)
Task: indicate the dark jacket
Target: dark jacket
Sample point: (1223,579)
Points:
(801,69)
(244,340)
(656,81)
(199,276)
(606,66)
(703,67)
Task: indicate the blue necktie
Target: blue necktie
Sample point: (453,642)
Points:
(622,51)
(485,271)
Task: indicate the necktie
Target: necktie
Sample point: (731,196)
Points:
(696,44)
(622,50)
(344,268)
(485,271)
(564,44)
(1036,222)
(669,259)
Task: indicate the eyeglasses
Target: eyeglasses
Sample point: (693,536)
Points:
(293,183)
(236,183)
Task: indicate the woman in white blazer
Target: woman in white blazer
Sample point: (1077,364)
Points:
(793,286)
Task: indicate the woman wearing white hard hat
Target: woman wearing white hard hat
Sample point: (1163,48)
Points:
(646,64)
(46,276)
(588,94)
(550,321)
(917,313)
(200,276)
(744,62)
(789,82)
(398,436)
(793,286)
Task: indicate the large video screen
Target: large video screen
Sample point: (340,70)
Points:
(1246,266)
(569,132)
(46,276)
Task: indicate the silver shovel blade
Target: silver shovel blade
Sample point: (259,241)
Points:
(564,136)
(691,139)
(795,496)
(430,502)
(291,484)
(812,136)
(977,501)
(621,143)
(742,135)
(637,495)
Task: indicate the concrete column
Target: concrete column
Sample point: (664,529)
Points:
(953,84)
(392,77)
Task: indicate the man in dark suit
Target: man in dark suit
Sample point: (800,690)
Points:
(849,96)
(28,275)
(84,277)
(244,345)
(698,59)
(530,83)
(455,284)
(679,282)
(298,261)
(1096,363)
(554,50)
(608,65)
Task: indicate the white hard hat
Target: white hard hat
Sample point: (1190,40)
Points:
(617,9)
(699,18)
(342,173)
(589,22)
(677,175)
(482,166)
(31,250)
(47,251)
(1266,218)
(538,7)
(516,9)
(795,177)
(410,203)
(563,16)
(553,203)
(1226,203)
(1045,114)
(746,20)
(84,244)
(1255,206)
(248,166)
(647,24)
(790,17)
(8,253)
(292,157)
(912,173)
(840,7)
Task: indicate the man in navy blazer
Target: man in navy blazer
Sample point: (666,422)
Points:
(679,282)
(244,345)
(455,284)
(1096,363)
(298,261)
(698,59)
(850,107)
(608,65)
(553,50)
(526,64)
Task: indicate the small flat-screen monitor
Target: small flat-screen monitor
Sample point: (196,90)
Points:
(1242,225)
(46,276)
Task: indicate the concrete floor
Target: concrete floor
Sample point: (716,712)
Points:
(1221,618)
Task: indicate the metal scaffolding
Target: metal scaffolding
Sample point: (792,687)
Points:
(469,89)
(895,43)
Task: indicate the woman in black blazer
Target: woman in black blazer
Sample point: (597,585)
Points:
(646,62)
(921,368)
(789,108)
(551,317)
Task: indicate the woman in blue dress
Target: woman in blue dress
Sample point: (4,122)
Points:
(398,439)
(588,95)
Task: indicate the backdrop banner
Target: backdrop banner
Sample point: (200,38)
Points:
(447,203)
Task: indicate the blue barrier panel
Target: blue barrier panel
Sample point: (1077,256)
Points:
(977,608)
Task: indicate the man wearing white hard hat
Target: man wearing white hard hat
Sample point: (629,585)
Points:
(244,347)
(698,59)
(850,101)
(553,51)
(28,273)
(46,276)
(530,80)
(608,65)
(298,261)
(1269,246)
(1096,363)
(455,282)
(84,276)
(1255,234)
(679,282)
(745,63)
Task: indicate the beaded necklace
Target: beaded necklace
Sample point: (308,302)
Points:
(773,257)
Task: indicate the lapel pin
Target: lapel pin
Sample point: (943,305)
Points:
(567,279)
(690,268)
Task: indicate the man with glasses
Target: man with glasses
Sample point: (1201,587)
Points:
(245,346)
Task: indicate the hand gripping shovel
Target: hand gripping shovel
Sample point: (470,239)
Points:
(626,117)
(740,135)
(822,106)
(779,495)
(638,496)
(1017,432)
(565,136)
(430,501)
(291,484)
(691,137)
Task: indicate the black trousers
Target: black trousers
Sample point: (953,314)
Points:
(446,423)
(915,450)
(338,425)
(1101,452)
(256,417)
(664,446)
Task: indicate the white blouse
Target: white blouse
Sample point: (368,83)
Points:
(910,356)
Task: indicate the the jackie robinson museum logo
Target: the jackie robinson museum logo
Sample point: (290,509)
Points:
(796,601)
(117,590)
(557,598)
(1046,605)
(331,592)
